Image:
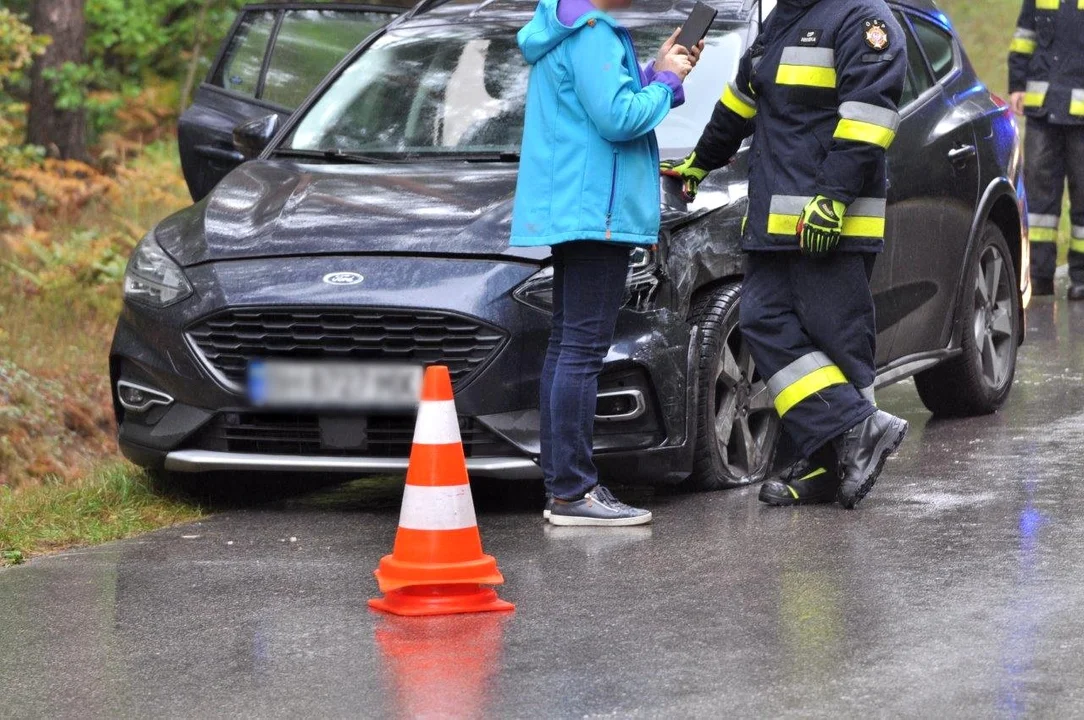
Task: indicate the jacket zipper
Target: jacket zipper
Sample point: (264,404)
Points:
(613,192)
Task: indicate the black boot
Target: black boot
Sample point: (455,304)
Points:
(862,453)
(806,482)
(1076,291)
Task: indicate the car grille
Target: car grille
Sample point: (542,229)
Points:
(230,340)
(286,434)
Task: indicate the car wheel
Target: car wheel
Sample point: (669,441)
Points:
(977,381)
(737,426)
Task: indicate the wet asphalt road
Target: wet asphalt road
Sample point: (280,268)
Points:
(956,589)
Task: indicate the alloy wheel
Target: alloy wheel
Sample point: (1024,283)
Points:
(993,321)
(746,424)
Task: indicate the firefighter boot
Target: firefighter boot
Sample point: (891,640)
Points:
(862,452)
(806,482)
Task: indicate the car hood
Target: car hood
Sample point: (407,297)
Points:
(277,208)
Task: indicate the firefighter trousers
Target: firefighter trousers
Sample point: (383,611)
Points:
(1052,154)
(811,329)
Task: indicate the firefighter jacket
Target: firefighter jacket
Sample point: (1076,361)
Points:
(819,91)
(1046,60)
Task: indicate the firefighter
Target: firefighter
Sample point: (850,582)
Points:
(820,86)
(1046,82)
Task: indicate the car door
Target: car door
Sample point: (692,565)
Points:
(273,57)
(933,191)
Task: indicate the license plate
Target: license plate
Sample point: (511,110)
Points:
(333,385)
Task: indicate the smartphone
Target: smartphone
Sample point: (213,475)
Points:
(696,25)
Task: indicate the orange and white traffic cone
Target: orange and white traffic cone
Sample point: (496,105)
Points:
(437,566)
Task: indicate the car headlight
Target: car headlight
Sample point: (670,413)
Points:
(153,278)
(640,287)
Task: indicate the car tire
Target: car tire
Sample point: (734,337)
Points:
(737,426)
(978,380)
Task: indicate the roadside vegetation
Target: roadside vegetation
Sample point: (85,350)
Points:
(72,208)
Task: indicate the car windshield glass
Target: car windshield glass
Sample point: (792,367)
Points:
(461,90)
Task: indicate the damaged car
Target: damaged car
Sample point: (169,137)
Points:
(279,324)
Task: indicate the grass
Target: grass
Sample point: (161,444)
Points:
(112,502)
(62,483)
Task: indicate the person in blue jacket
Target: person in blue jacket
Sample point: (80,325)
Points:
(589,187)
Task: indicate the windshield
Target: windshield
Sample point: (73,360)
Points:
(460,90)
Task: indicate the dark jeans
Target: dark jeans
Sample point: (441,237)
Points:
(1052,154)
(588,287)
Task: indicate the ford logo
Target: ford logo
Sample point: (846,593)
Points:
(343,278)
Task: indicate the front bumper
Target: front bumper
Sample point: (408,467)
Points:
(209,428)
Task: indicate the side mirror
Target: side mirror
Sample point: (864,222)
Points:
(252,137)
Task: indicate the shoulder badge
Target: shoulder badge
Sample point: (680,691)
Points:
(877,35)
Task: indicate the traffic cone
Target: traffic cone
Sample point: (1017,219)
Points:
(437,566)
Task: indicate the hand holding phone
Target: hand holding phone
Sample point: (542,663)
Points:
(696,25)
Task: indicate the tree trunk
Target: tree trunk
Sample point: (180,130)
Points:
(62,132)
(197,53)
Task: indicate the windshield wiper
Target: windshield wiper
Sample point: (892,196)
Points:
(504,157)
(344,156)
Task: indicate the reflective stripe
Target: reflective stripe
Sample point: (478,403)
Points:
(1043,221)
(862,122)
(1043,228)
(1047,4)
(1076,105)
(437,423)
(1025,41)
(808,386)
(1035,95)
(796,371)
(810,76)
(865,133)
(809,476)
(738,102)
(447,507)
(1078,230)
(1076,246)
(864,218)
(814,57)
(815,67)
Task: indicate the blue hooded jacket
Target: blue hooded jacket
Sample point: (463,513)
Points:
(589,165)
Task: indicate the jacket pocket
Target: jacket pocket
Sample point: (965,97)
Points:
(613,195)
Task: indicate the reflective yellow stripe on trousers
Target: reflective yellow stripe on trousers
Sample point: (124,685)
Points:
(1043,228)
(813,67)
(803,378)
(864,218)
(1077,243)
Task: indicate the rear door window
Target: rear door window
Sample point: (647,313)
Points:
(918,78)
(939,47)
(308,45)
(242,62)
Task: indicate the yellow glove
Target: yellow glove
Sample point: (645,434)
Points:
(687,171)
(821,226)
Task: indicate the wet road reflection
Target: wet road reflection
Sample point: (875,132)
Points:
(956,589)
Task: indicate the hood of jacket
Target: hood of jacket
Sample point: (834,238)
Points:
(545,31)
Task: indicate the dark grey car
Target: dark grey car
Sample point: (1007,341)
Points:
(374,227)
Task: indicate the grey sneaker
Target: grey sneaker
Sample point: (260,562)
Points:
(548,508)
(598,507)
